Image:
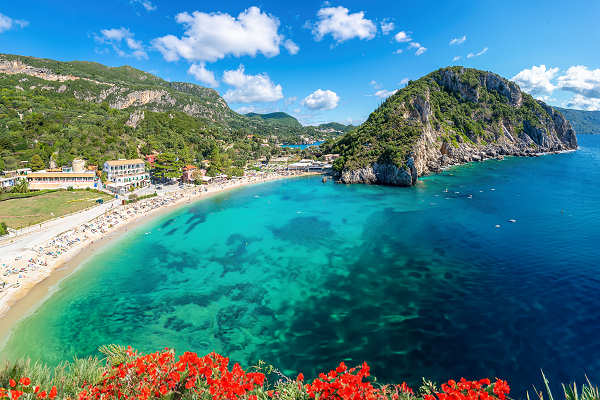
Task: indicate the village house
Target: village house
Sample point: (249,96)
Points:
(187,173)
(151,158)
(8,181)
(122,175)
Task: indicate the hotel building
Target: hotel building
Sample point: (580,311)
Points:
(125,174)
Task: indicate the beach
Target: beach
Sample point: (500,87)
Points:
(32,271)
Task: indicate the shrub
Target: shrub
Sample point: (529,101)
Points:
(3,229)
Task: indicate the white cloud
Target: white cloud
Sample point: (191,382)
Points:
(455,58)
(245,109)
(402,37)
(404,81)
(290,100)
(536,80)
(211,37)
(203,75)
(387,27)
(375,84)
(420,49)
(581,80)
(145,3)
(250,88)
(115,36)
(291,47)
(385,93)
(399,51)
(343,26)
(482,52)
(321,100)
(583,103)
(457,41)
(7,23)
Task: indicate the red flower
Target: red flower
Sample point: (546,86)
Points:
(53,393)
(15,394)
(300,377)
(12,383)
(163,390)
(25,381)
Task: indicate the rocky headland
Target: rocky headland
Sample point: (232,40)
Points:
(452,116)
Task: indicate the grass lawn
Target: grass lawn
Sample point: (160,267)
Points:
(18,213)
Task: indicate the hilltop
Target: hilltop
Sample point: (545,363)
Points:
(335,127)
(280,118)
(451,116)
(62,110)
(582,121)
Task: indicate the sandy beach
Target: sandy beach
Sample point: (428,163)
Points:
(31,274)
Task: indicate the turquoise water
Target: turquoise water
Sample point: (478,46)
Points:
(416,281)
(302,146)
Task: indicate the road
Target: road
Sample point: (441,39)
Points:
(35,235)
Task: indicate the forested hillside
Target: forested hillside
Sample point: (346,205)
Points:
(450,116)
(61,110)
(582,121)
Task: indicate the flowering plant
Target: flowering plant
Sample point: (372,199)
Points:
(163,375)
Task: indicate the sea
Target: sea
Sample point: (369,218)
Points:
(301,146)
(489,269)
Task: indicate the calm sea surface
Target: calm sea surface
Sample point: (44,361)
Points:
(416,281)
(302,146)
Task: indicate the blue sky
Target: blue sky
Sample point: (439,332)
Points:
(320,61)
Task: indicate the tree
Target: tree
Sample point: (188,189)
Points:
(3,229)
(167,166)
(21,186)
(132,151)
(36,163)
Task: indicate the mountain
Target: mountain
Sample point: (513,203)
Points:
(582,121)
(335,127)
(63,110)
(451,116)
(280,118)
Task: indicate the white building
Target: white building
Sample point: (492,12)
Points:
(62,180)
(8,181)
(124,174)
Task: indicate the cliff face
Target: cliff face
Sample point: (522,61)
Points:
(122,87)
(451,116)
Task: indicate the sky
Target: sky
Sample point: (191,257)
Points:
(320,61)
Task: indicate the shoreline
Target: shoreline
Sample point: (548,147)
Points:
(20,302)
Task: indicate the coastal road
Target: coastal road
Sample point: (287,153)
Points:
(34,236)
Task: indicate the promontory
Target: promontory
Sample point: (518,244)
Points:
(451,116)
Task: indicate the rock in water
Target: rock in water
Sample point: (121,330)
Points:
(452,116)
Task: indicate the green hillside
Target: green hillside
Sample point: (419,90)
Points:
(335,126)
(62,110)
(582,121)
(450,116)
(277,117)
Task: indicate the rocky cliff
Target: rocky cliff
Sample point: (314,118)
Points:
(451,116)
